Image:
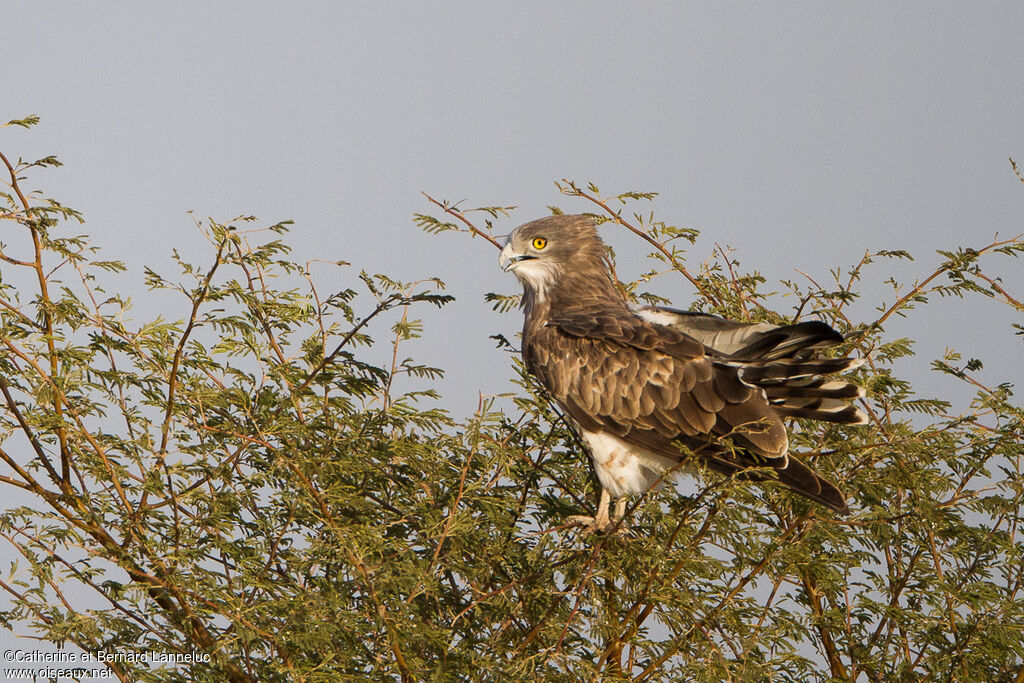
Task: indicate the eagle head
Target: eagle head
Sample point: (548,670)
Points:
(542,252)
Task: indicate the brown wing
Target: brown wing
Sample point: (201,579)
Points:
(784,360)
(655,387)
(649,384)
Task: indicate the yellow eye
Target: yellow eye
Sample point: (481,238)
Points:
(539,243)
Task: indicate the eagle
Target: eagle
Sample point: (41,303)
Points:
(647,387)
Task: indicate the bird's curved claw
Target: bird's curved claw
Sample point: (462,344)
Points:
(598,524)
(602,522)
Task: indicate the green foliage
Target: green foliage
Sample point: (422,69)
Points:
(244,482)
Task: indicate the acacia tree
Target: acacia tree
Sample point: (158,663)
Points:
(237,478)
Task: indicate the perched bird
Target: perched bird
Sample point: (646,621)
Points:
(647,387)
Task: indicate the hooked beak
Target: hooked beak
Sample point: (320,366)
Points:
(509,258)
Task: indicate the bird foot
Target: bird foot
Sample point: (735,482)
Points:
(590,524)
(597,524)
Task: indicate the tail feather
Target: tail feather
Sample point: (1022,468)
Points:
(788,341)
(784,370)
(820,388)
(826,409)
(790,472)
(785,363)
(801,479)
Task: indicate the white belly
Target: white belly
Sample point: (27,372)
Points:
(624,470)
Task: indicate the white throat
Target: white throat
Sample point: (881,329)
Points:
(537,274)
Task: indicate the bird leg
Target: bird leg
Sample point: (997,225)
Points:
(620,509)
(601,521)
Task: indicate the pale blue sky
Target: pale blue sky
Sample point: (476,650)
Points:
(803,134)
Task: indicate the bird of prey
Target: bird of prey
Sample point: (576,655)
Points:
(647,387)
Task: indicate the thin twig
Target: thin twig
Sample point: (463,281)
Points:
(44,303)
(942,269)
(458,214)
(616,216)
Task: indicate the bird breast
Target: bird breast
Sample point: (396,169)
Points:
(624,469)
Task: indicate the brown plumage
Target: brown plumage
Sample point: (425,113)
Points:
(646,385)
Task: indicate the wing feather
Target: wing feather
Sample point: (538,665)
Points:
(699,420)
(707,397)
(730,388)
(635,378)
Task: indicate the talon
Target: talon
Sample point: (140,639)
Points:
(602,522)
(590,524)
